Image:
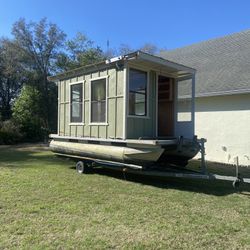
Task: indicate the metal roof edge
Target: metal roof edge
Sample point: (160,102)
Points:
(75,71)
(131,56)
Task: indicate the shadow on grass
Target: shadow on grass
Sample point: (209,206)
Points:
(14,158)
(212,187)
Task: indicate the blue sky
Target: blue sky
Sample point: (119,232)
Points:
(168,24)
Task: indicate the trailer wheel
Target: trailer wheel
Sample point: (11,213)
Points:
(82,168)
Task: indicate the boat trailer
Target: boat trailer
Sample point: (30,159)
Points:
(85,165)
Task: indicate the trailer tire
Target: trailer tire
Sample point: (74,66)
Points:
(82,167)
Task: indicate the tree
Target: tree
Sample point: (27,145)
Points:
(149,48)
(79,51)
(26,113)
(37,45)
(11,78)
(125,49)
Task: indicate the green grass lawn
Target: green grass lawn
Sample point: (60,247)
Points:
(45,204)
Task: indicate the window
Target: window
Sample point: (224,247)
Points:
(137,92)
(76,102)
(98,100)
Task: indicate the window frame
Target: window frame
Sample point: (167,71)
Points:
(147,95)
(106,99)
(83,100)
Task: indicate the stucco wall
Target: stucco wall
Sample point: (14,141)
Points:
(225,122)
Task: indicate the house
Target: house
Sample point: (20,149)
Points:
(127,109)
(222,103)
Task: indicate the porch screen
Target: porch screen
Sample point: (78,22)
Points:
(98,100)
(184,101)
(137,92)
(76,102)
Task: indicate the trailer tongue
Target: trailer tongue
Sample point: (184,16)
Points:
(190,174)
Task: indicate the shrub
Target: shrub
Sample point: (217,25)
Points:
(27,112)
(9,132)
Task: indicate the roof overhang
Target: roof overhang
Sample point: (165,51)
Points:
(160,64)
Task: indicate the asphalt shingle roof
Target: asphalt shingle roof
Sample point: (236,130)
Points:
(222,64)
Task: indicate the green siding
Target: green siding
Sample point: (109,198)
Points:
(86,120)
(115,101)
(73,130)
(61,120)
(95,74)
(86,89)
(80,78)
(120,82)
(79,130)
(103,72)
(119,118)
(66,119)
(74,79)
(102,132)
(112,82)
(94,131)
(112,118)
(144,127)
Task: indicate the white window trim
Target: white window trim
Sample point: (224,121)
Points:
(58,106)
(90,100)
(83,98)
(125,98)
(148,75)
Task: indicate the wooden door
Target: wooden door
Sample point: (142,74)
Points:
(165,106)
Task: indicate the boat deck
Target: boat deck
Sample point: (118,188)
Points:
(142,141)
